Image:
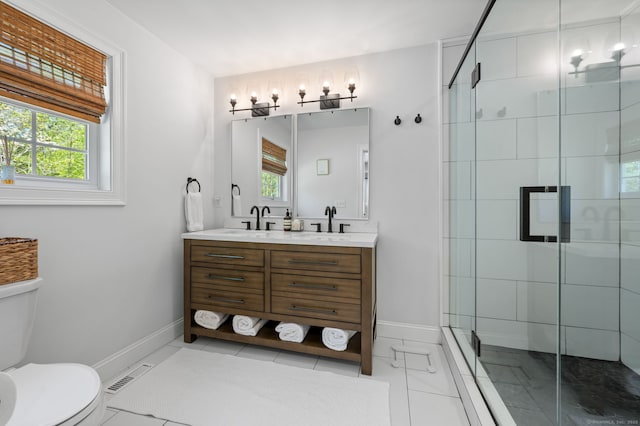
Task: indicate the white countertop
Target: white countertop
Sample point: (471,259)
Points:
(351,239)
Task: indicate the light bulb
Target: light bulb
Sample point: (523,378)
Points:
(577,52)
(301,87)
(325,84)
(618,47)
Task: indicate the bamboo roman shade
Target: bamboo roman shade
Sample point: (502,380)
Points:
(41,66)
(274,158)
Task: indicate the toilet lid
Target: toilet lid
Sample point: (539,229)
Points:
(48,394)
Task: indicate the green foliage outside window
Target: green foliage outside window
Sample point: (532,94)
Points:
(630,177)
(270,185)
(57,147)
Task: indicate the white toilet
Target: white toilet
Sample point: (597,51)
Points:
(40,394)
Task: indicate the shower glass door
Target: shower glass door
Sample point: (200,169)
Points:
(544,211)
(517,177)
(461,206)
(600,153)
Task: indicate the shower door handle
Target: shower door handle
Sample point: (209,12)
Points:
(565,214)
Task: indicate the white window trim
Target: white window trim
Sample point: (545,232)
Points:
(113,127)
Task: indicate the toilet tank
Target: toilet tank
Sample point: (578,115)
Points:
(17,313)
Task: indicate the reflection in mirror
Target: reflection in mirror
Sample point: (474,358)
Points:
(261,152)
(332,163)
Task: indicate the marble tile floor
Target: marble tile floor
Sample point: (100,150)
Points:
(593,391)
(417,397)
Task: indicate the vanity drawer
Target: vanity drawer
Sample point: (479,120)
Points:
(320,309)
(326,262)
(227,255)
(312,286)
(228,277)
(224,299)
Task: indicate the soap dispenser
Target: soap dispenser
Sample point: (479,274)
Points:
(286,222)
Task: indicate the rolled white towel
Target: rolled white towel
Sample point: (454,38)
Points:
(336,338)
(292,332)
(209,319)
(247,326)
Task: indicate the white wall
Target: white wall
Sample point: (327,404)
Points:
(113,275)
(404,165)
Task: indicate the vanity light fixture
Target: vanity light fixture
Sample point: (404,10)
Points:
(258,109)
(576,59)
(618,52)
(328,100)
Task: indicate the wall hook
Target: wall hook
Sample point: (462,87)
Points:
(397,121)
(502,112)
(418,119)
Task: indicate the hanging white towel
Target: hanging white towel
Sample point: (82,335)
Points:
(209,319)
(292,332)
(247,326)
(336,338)
(193,211)
(236,205)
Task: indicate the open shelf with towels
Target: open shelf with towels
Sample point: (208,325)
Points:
(268,336)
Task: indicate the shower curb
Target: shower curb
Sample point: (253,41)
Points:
(477,411)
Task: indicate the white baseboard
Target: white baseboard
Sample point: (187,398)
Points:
(415,332)
(125,358)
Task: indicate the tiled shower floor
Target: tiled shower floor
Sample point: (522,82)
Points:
(593,392)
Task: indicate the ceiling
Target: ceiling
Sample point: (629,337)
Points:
(242,36)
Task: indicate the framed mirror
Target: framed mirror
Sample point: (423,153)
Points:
(261,159)
(332,163)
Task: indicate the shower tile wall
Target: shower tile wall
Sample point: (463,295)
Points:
(630,202)
(517,145)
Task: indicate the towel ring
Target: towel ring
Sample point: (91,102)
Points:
(189,180)
(233,185)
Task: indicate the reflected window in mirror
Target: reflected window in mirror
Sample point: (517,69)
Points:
(261,152)
(274,169)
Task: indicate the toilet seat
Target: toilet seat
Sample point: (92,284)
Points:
(52,394)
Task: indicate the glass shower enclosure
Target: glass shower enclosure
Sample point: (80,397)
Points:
(543,209)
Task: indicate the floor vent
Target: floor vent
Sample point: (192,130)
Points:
(129,377)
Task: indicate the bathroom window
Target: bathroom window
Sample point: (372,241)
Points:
(60,112)
(630,176)
(46,145)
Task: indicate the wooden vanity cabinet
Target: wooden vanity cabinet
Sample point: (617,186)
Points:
(321,286)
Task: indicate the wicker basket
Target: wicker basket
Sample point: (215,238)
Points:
(18,259)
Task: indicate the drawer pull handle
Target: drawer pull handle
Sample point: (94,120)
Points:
(224,256)
(313,262)
(224,299)
(220,277)
(318,286)
(314,310)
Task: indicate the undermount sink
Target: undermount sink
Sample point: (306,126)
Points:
(320,237)
(353,239)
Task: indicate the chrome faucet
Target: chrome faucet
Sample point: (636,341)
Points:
(330,211)
(257,209)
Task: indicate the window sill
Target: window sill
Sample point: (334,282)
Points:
(30,196)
